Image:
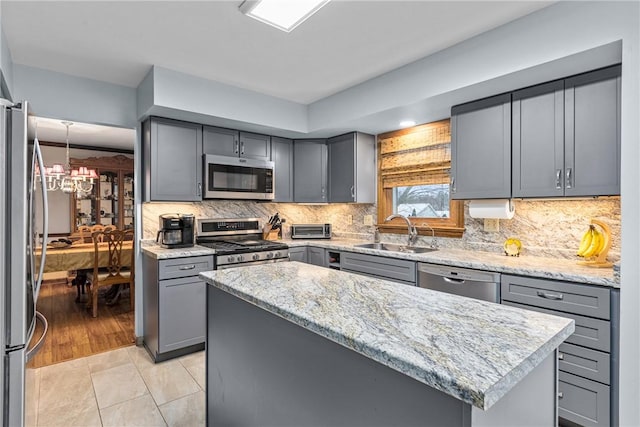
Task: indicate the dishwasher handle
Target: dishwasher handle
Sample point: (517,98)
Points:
(450,280)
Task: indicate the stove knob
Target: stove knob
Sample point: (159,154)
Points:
(277,255)
(240,258)
(269,255)
(230,258)
(255,257)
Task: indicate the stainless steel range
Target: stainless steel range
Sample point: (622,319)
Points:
(238,242)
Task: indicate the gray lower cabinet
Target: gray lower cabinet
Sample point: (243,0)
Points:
(588,359)
(310,171)
(233,143)
(172,157)
(282,158)
(316,256)
(481,149)
(298,253)
(352,168)
(398,270)
(566,137)
(174,303)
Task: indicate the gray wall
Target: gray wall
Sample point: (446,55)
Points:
(61,96)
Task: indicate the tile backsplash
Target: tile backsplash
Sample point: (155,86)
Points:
(551,228)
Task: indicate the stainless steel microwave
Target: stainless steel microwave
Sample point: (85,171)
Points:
(238,178)
(311,231)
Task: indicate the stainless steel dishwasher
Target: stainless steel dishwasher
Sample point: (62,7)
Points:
(477,284)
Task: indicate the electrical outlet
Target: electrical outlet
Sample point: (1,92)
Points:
(368,220)
(491,225)
(349,219)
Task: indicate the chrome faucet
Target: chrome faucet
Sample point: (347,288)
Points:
(411,229)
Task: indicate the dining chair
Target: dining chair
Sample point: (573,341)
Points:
(119,269)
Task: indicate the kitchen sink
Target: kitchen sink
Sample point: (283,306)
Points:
(396,248)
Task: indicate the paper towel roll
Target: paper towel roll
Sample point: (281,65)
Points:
(492,208)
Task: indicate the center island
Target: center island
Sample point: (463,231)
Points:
(300,345)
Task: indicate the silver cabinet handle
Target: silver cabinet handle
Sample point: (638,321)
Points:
(353,192)
(188,267)
(236,146)
(199,189)
(558,179)
(560,395)
(550,296)
(560,356)
(242,148)
(453,185)
(569,183)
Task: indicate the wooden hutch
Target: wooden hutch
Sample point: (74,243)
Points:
(110,202)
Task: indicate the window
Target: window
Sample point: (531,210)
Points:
(413,178)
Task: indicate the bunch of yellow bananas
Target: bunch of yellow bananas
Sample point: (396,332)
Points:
(592,243)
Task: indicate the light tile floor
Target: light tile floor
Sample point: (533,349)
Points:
(119,388)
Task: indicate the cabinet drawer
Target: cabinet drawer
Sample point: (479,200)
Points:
(592,333)
(591,364)
(583,401)
(562,296)
(385,268)
(183,267)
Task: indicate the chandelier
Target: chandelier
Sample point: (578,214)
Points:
(62,177)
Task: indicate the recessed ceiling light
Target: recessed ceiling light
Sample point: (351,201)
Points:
(285,15)
(407,123)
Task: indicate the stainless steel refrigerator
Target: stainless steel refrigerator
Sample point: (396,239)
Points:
(20,274)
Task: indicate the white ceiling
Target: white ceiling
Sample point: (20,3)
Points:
(345,43)
(87,134)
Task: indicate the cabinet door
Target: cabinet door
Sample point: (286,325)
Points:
(481,149)
(255,146)
(220,141)
(592,133)
(316,256)
(538,141)
(173,160)
(298,254)
(342,171)
(352,168)
(282,157)
(182,313)
(310,171)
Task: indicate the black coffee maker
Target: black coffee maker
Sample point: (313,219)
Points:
(176,231)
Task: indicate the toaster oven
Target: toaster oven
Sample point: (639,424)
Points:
(311,231)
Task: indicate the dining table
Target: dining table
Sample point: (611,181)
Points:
(79,257)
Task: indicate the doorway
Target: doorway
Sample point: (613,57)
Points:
(72,331)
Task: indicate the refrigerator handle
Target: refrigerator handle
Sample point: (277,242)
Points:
(45,216)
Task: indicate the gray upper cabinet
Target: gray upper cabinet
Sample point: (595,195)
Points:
(352,168)
(481,149)
(538,141)
(229,142)
(592,133)
(282,157)
(172,156)
(566,137)
(310,171)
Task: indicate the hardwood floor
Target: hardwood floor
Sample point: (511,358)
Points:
(73,333)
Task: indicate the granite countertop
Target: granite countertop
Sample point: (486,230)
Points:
(548,268)
(472,350)
(154,250)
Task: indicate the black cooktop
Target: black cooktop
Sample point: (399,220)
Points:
(225,247)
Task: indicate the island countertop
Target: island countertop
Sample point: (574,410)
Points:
(472,350)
